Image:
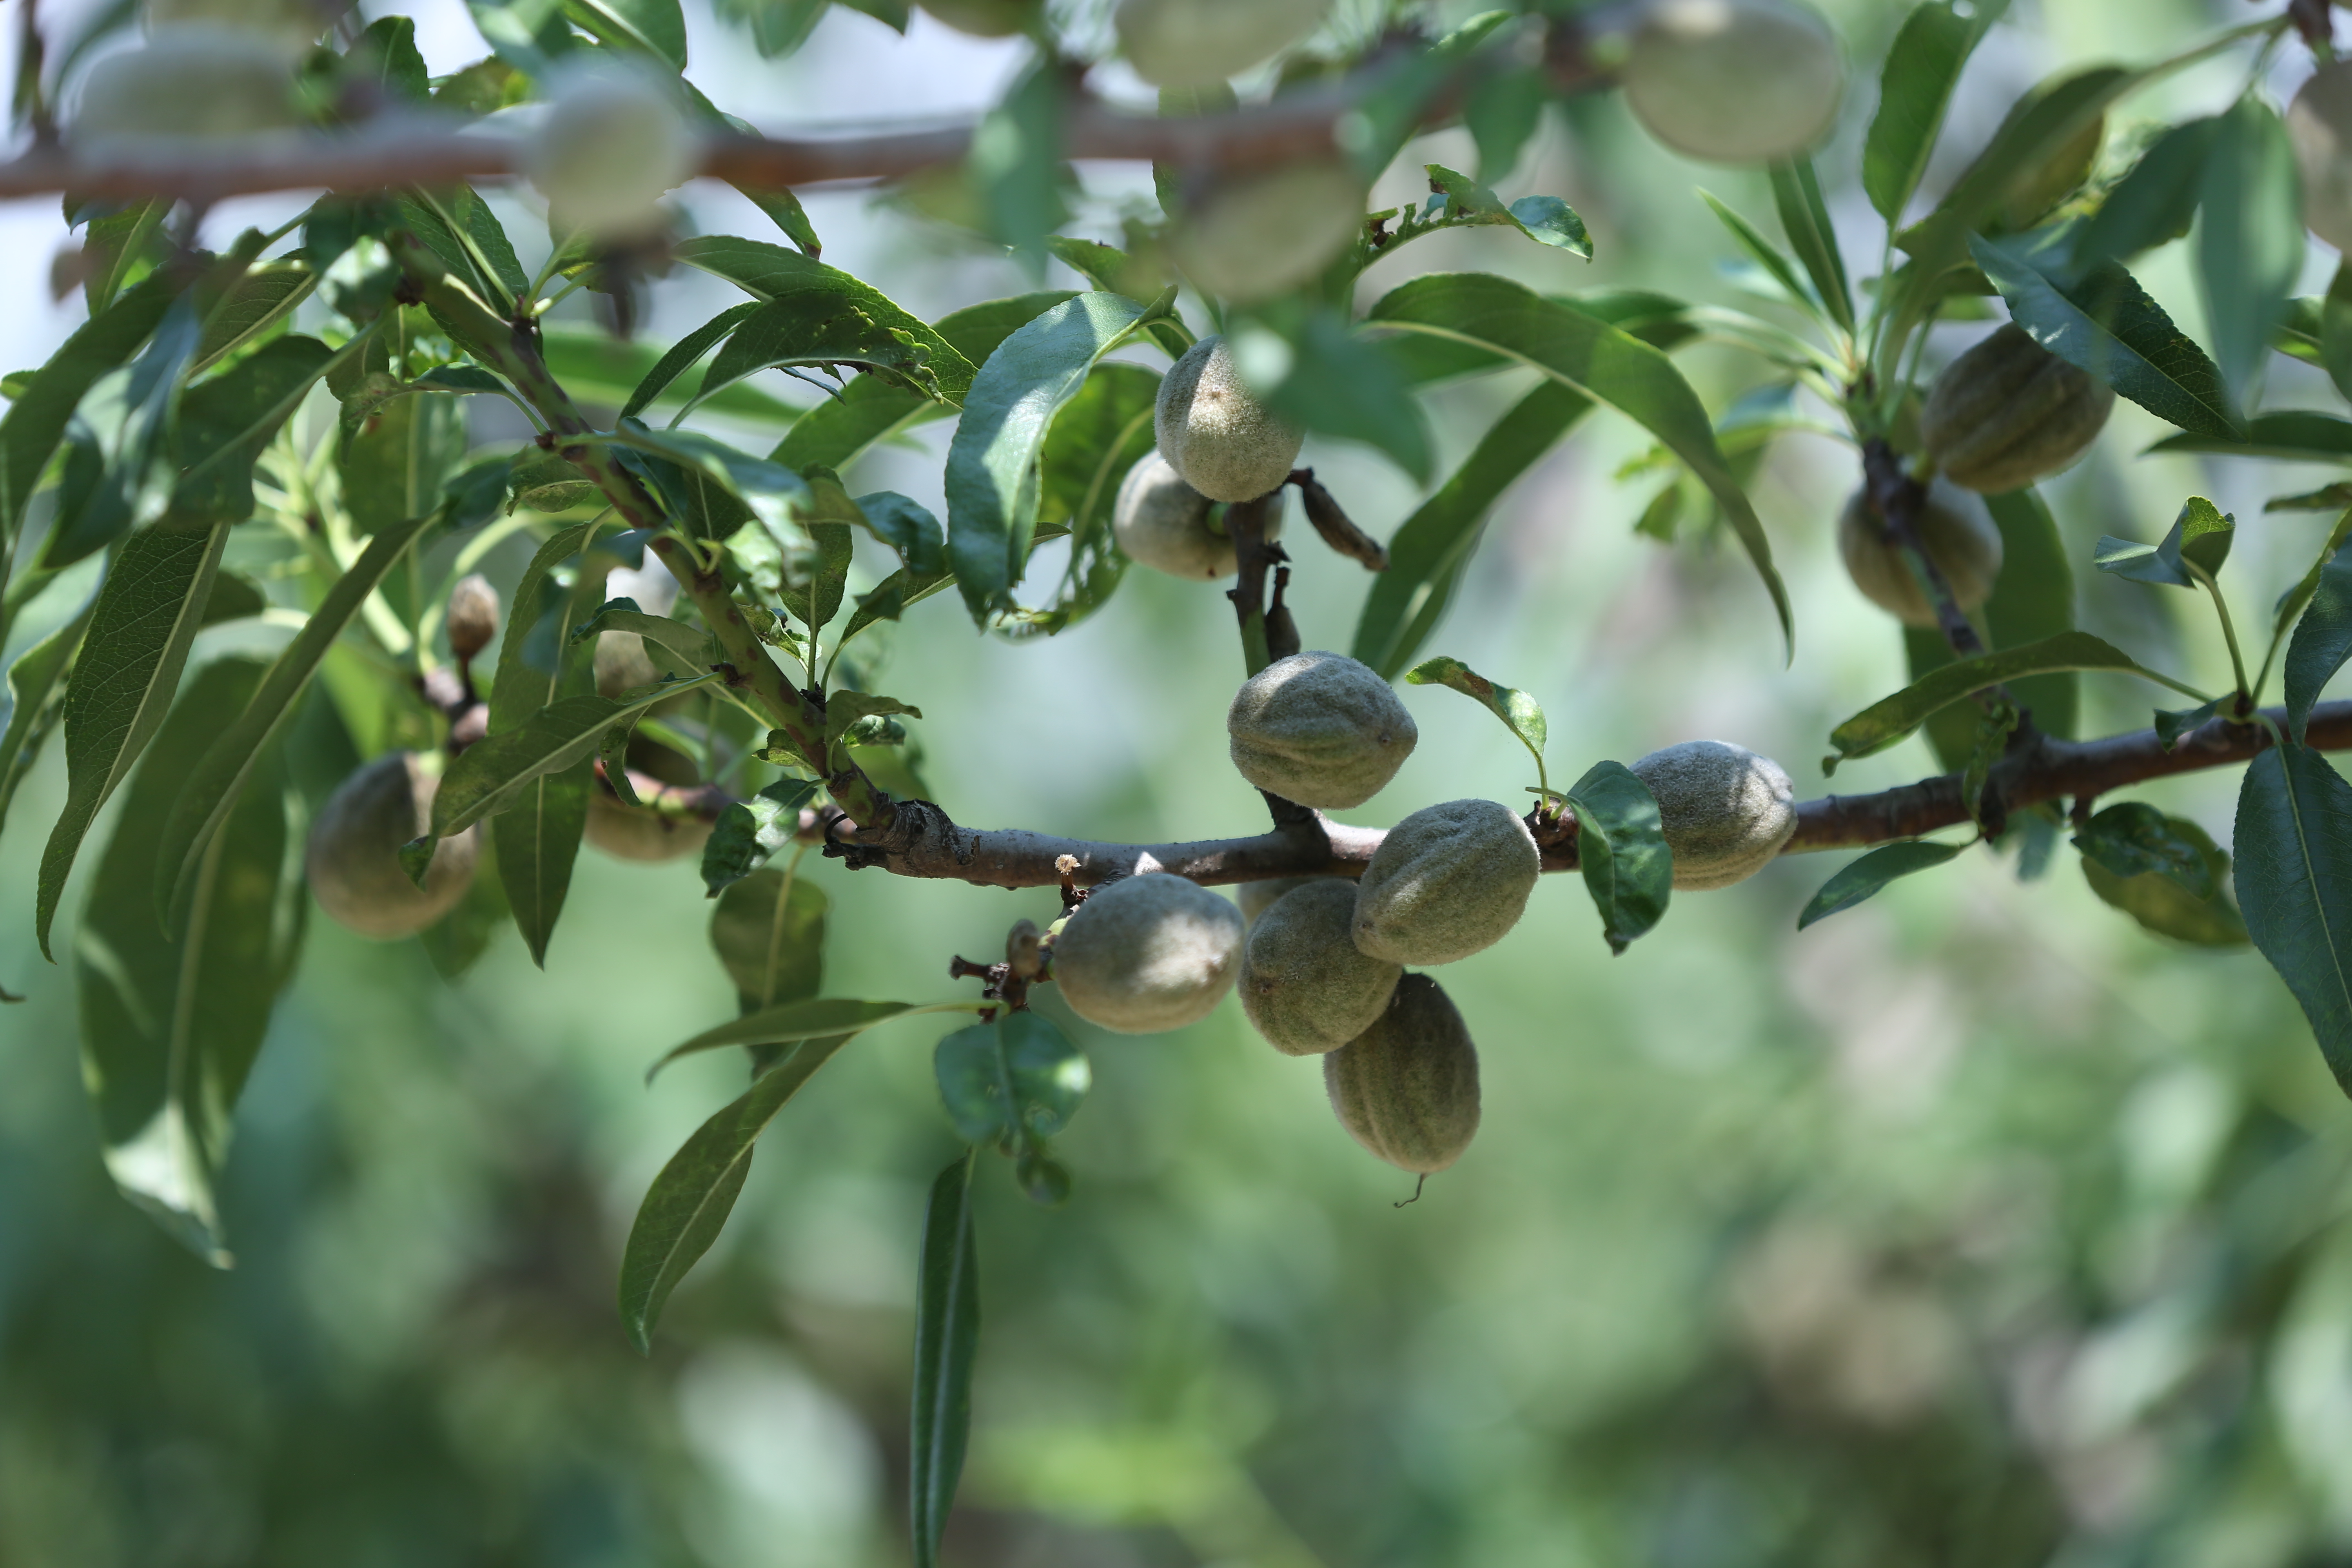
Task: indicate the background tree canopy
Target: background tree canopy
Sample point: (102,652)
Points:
(1963,1185)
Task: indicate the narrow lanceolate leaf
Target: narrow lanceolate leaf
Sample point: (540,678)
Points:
(804,1020)
(123,680)
(119,473)
(1609,366)
(656,27)
(684,354)
(264,297)
(1884,723)
(37,417)
(1621,848)
(2249,250)
(485,778)
(2299,434)
(2294,843)
(210,789)
(1104,432)
(1914,90)
(33,697)
(690,644)
(539,840)
(947,1342)
(2154,204)
(991,469)
(2106,324)
(1521,713)
(820,328)
(1426,555)
(1867,876)
(774,494)
(749,832)
(1015,1081)
(2322,640)
(768,930)
(1779,267)
(771,272)
(170,1026)
(690,1199)
(1805,219)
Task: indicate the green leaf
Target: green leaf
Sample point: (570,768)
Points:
(539,840)
(947,1342)
(771,272)
(457,941)
(170,1028)
(123,680)
(819,326)
(457,225)
(749,832)
(689,1201)
(992,467)
(2153,204)
(774,494)
(2106,324)
(210,786)
(685,353)
(2173,723)
(258,302)
(1427,553)
(803,1020)
(37,417)
(1865,876)
(2336,330)
(1015,163)
(1621,848)
(487,777)
(225,423)
(119,474)
(1104,432)
(768,930)
(394,467)
(1609,366)
(692,645)
(35,696)
(2135,839)
(1887,721)
(2298,435)
(1014,1082)
(2322,640)
(1341,384)
(1914,90)
(844,710)
(387,55)
(2294,841)
(1779,267)
(2162,905)
(604,371)
(2249,248)
(657,27)
(2033,598)
(2200,537)
(528,35)
(1519,712)
(1805,219)
(1547,220)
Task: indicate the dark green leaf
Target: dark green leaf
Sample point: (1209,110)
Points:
(1805,219)
(771,272)
(487,778)
(1427,553)
(1914,90)
(529,35)
(992,468)
(803,1020)
(2106,324)
(2162,905)
(690,1199)
(1502,114)
(457,941)
(457,225)
(683,353)
(120,474)
(2151,206)
(2200,538)
(750,831)
(1885,722)
(2173,723)
(1547,220)
(768,928)
(35,697)
(657,27)
(2135,839)
(692,645)
(1779,267)
(1015,163)
(2336,330)
(1340,384)
(1104,432)
(170,1028)
(1865,878)
(1621,848)
(387,56)
(602,371)
(2251,246)
(845,710)
(37,419)
(394,467)
(1605,364)
(820,326)
(2322,640)
(211,786)
(1012,1083)
(947,1342)
(773,494)
(228,422)
(264,297)
(2294,842)
(122,683)
(2299,435)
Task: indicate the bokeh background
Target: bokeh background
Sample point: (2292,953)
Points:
(1975,1226)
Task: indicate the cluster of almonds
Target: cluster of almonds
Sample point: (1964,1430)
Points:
(1321,960)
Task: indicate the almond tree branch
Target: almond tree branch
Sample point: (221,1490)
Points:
(921,841)
(418,152)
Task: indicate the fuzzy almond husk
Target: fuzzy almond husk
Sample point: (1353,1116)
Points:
(1407,1087)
